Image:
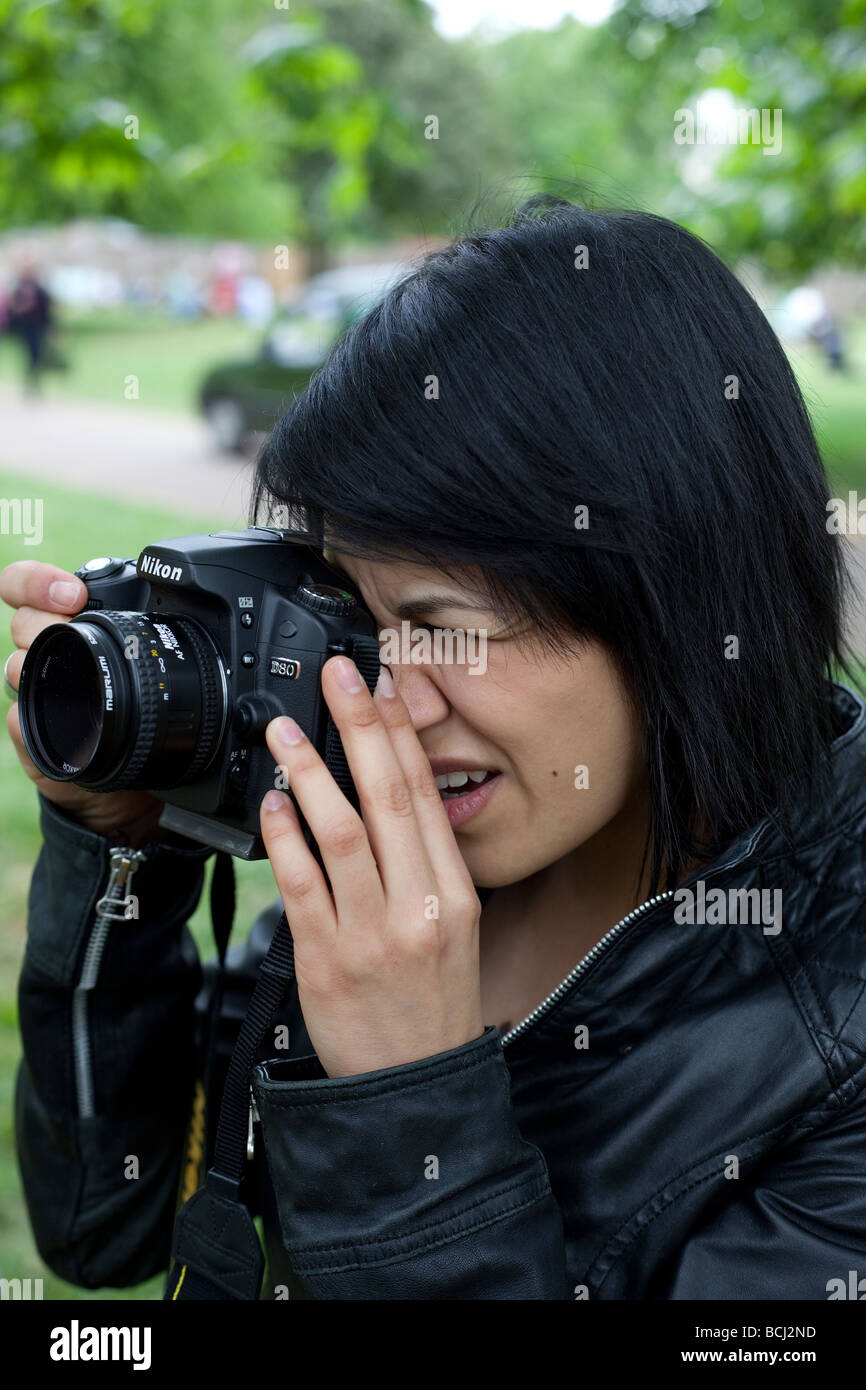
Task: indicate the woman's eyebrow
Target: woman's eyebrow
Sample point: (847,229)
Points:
(435,603)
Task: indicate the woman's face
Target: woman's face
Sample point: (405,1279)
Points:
(558,733)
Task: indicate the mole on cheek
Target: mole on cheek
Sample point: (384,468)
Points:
(555,773)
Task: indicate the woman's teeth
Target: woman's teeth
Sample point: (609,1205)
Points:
(449,780)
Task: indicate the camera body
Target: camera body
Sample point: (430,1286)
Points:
(168,678)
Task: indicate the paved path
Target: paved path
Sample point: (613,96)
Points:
(160,457)
(165,457)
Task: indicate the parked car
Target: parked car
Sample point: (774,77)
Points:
(245,397)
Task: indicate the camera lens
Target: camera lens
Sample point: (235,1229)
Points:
(113,700)
(70,728)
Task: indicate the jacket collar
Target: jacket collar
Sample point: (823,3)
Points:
(812,818)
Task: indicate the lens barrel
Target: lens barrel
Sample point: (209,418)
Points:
(116,700)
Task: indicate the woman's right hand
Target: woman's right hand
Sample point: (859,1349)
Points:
(28,587)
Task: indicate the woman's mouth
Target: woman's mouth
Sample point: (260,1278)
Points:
(465,791)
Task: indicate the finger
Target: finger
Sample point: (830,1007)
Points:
(432,818)
(308,904)
(27,623)
(385,799)
(338,829)
(31,582)
(12,668)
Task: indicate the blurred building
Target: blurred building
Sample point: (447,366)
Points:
(108,262)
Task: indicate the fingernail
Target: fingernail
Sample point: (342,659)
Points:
(274,801)
(385,684)
(287,731)
(63,591)
(347,675)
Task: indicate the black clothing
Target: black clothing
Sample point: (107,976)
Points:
(708,1141)
(29,316)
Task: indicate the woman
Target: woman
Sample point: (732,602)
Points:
(595,1025)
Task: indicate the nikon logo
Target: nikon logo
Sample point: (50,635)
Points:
(149,564)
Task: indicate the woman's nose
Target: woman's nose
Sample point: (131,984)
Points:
(420,693)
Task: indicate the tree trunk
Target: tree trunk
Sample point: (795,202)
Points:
(318,255)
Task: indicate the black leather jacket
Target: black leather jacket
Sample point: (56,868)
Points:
(704,1138)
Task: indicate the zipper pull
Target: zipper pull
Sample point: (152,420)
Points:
(123,863)
(253,1116)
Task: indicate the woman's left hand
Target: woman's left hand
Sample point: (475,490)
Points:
(387,963)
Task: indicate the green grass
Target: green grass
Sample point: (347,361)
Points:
(837,406)
(168,356)
(77,526)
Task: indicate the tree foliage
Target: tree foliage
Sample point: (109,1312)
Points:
(313,122)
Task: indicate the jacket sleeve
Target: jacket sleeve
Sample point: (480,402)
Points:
(796,1230)
(100,1172)
(410,1183)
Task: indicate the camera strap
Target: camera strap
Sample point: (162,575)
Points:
(216,1251)
(222,913)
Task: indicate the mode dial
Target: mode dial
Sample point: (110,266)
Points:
(325,598)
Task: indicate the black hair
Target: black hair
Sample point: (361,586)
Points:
(606,360)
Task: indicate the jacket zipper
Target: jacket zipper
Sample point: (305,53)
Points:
(565,985)
(115,905)
(600,946)
(254,1117)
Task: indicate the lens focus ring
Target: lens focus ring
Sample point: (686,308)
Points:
(147,714)
(213,706)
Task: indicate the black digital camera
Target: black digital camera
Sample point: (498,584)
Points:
(168,678)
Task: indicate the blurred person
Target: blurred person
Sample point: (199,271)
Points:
(623,1059)
(222,293)
(30,318)
(255,300)
(806,313)
(827,335)
(184,295)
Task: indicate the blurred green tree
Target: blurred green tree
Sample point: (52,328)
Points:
(180,119)
(314,123)
(563,96)
(805,58)
(421,176)
(112,107)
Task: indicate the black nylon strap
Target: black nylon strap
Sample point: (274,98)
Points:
(222,912)
(222,901)
(276,971)
(216,1250)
